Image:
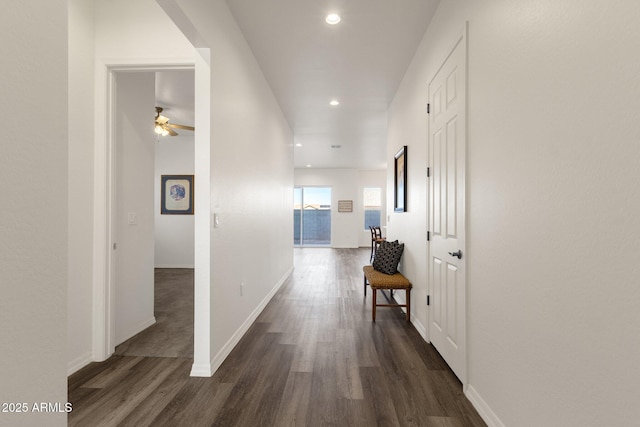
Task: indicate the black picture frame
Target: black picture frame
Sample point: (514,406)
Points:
(400,180)
(176,194)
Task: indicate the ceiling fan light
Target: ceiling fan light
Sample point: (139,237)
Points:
(158,129)
(165,132)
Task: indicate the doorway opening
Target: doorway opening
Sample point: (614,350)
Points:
(125,204)
(312,216)
(154,286)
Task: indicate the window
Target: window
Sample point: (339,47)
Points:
(372,207)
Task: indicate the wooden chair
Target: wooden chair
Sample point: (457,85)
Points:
(376,240)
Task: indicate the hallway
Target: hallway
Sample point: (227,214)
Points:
(313,357)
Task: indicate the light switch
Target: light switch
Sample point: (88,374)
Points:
(132,218)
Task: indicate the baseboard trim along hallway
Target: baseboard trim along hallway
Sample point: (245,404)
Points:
(207,371)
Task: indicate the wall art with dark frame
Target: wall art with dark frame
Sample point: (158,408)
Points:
(176,194)
(400,181)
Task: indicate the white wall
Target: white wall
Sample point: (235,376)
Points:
(134,208)
(347,229)
(81,131)
(122,34)
(251,181)
(174,234)
(552,209)
(33,222)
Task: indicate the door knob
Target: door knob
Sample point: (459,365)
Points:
(457,254)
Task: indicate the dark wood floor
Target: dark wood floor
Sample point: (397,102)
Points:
(172,334)
(313,358)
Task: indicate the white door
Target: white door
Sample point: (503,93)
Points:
(447,141)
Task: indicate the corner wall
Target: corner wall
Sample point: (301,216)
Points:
(552,208)
(251,182)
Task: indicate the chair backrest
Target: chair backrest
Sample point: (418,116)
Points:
(377,232)
(373,233)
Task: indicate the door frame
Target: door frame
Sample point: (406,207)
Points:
(461,39)
(103,306)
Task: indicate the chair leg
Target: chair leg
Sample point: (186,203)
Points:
(408,305)
(365,285)
(373,308)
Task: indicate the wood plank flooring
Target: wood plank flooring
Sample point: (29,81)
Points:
(172,334)
(312,358)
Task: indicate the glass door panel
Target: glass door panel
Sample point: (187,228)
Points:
(312,216)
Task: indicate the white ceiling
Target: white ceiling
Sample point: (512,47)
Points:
(175,93)
(307,62)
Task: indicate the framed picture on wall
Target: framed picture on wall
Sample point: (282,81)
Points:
(400,180)
(176,194)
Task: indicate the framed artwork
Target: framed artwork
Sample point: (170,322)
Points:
(400,181)
(176,194)
(345,205)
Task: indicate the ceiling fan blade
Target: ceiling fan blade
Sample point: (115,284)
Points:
(185,127)
(171,131)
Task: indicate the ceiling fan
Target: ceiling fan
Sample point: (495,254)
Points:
(164,128)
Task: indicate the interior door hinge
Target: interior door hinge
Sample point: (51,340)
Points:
(428,300)
(428,236)
(428,172)
(428,108)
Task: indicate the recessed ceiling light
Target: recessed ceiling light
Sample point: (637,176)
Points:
(298,145)
(334,103)
(333,18)
(308,166)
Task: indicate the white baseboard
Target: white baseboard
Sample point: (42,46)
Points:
(201,370)
(482,407)
(78,363)
(400,297)
(204,370)
(420,328)
(175,266)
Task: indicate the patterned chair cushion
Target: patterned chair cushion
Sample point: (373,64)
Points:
(388,256)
